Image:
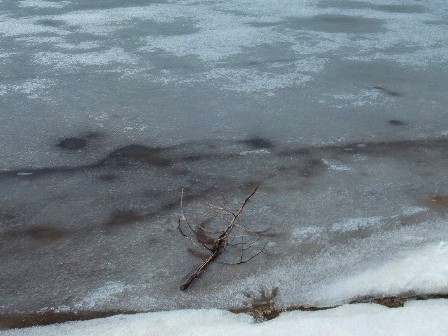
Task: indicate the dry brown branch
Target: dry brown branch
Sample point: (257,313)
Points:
(216,246)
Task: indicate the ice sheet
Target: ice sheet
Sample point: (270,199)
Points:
(109,108)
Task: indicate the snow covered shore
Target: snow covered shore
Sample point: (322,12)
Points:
(415,318)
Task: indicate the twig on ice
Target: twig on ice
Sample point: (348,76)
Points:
(217,245)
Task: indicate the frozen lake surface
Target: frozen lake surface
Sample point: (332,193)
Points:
(108,109)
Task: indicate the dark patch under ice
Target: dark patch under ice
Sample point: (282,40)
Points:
(389,8)
(338,24)
(395,122)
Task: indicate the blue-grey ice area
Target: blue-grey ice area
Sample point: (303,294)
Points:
(109,108)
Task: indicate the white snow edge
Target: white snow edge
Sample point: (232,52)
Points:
(415,318)
(424,271)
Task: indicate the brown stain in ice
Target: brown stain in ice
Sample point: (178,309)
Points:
(46,234)
(437,201)
(124,217)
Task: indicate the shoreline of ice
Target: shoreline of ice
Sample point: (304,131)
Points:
(417,275)
(415,318)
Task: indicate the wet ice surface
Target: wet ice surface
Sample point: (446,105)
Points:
(109,109)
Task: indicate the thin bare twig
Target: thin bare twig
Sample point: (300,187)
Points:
(217,245)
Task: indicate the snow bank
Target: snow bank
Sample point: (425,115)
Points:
(415,318)
(424,271)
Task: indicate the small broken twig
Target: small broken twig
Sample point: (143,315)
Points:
(217,245)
